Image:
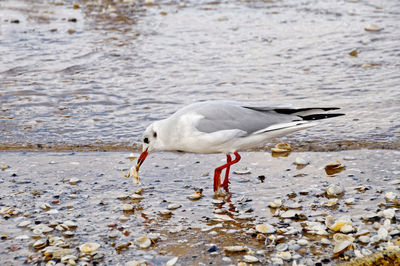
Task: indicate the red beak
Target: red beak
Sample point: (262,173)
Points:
(141,159)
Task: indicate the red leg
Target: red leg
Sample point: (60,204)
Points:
(228,167)
(218,170)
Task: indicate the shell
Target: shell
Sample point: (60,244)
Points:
(134,173)
(341,246)
(281,148)
(265,228)
(143,242)
(300,161)
(373,28)
(173,206)
(41,243)
(235,248)
(334,168)
(172,261)
(334,190)
(339,224)
(250,259)
(285,255)
(276,203)
(127,207)
(89,247)
(196,196)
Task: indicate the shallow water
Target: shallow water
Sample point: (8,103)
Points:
(96,75)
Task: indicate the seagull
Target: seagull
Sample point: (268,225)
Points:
(226,127)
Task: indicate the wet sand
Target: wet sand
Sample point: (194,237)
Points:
(36,187)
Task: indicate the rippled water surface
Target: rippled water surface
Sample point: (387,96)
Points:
(96,73)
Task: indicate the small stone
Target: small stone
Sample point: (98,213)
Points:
(302,242)
(292,214)
(364,239)
(334,190)
(144,242)
(388,213)
(24,223)
(89,247)
(165,212)
(22,237)
(281,247)
(250,259)
(41,243)
(74,181)
(172,261)
(375,239)
(276,203)
(128,207)
(325,241)
(70,224)
(284,255)
(265,229)
(123,218)
(173,206)
(373,28)
(223,217)
(235,248)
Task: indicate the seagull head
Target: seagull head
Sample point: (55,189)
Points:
(150,142)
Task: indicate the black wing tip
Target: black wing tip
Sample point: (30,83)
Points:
(289,111)
(320,116)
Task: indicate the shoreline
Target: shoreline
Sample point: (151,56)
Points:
(313,146)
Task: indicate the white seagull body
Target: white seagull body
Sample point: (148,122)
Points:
(226,127)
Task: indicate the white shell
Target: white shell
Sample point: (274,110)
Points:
(265,228)
(89,247)
(285,255)
(172,261)
(373,27)
(74,181)
(127,207)
(334,190)
(276,203)
(173,206)
(144,242)
(250,259)
(342,245)
(235,248)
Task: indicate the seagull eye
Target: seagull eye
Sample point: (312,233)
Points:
(155,134)
(146,140)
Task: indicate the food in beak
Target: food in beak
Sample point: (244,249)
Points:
(134,171)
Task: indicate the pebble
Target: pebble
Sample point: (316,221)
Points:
(235,248)
(364,239)
(285,255)
(144,242)
(173,206)
(334,190)
(123,218)
(24,223)
(388,213)
(165,212)
(89,247)
(250,259)
(172,261)
(292,214)
(373,28)
(325,241)
(300,161)
(74,181)
(276,203)
(41,243)
(265,228)
(302,242)
(281,247)
(127,207)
